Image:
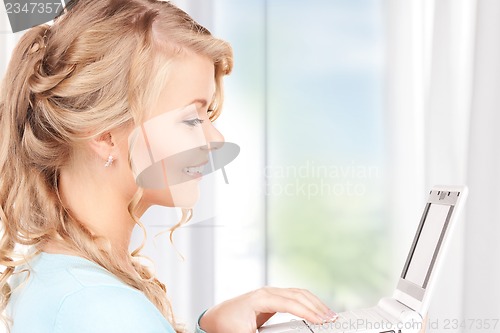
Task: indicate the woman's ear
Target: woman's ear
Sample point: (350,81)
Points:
(104,146)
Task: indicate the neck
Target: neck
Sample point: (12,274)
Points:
(100,207)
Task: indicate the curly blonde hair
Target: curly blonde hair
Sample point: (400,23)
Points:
(101,65)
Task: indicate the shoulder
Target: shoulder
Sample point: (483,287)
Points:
(109,309)
(72,294)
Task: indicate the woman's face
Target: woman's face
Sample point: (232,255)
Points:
(171,147)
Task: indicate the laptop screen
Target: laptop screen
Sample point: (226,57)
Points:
(428,242)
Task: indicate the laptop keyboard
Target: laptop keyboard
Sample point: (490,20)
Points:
(371,319)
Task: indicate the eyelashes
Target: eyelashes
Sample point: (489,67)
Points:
(197,121)
(193,122)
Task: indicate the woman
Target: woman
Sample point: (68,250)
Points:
(74,98)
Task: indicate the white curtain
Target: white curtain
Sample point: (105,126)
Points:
(482,246)
(443,98)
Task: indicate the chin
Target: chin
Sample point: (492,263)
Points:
(184,195)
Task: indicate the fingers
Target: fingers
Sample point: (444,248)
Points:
(306,298)
(314,300)
(298,302)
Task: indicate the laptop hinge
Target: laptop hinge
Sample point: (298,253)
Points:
(396,309)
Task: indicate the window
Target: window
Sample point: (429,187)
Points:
(305,102)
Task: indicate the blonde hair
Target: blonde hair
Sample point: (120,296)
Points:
(101,65)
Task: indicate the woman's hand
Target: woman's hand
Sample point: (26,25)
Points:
(245,313)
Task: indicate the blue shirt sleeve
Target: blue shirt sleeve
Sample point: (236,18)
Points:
(109,309)
(198,328)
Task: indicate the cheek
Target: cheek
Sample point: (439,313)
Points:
(167,141)
(179,149)
(176,145)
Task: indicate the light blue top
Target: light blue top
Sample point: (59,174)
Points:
(66,293)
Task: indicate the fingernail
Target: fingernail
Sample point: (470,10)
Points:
(332,315)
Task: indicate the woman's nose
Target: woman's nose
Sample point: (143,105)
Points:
(215,139)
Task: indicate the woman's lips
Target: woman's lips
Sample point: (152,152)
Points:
(195,171)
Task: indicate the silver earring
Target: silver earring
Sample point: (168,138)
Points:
(109,162)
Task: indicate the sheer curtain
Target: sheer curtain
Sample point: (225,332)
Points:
(443,102)
(482,246)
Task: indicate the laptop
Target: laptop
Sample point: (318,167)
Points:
(404,311)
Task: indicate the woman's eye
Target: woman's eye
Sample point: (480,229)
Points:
(193,122)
